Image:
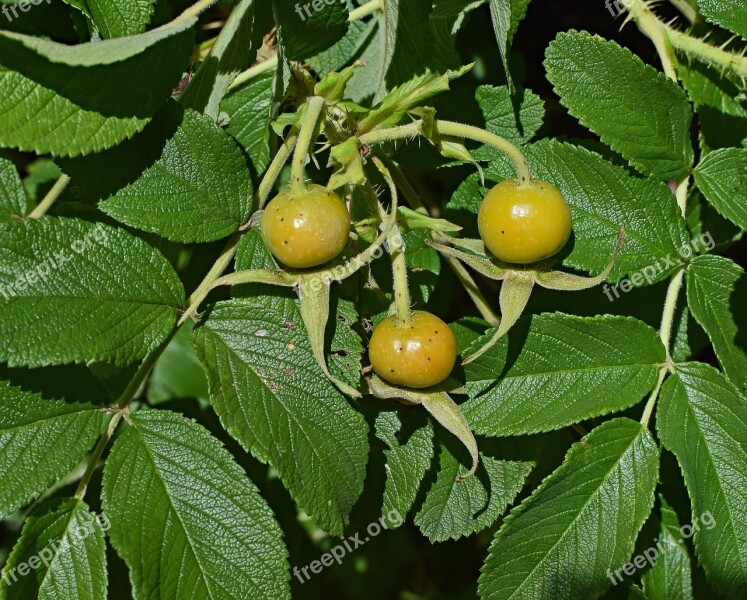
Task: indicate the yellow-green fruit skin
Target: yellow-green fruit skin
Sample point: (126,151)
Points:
(524,223)
(418,355)
(306,229)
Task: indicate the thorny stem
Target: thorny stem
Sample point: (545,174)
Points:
(50,198)
(271,63)
(314,109)
(452,129)
(666,39)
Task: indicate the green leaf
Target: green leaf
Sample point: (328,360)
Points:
(722,177)
(248,109)
(729,14)
(568,369)
(307,28)
(117,18)
(710,285)
(580,523)
(227,58)
(596,78)
(12,195)
(702,419)
(453,509)
(408,44)
(500,115)
(185,517)
(409,454)
(272,397)
(196,189)
(73,100)
(500,14)
(104,294)
(40,441)
(670,578)
(722,119)
(66,543)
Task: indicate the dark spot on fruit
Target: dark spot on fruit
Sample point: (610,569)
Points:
(503,232)
(391,370)
(286,242)
(430,339)
(429,359)
(282,219)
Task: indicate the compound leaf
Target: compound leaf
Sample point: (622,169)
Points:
(710,285)
(73,100)
(722,177)
(82,292)
(40,441)
(702,419)
(596,78)
(185,517)
(568,369)
(66,543)
(272,397)
(580,522)
(453,509)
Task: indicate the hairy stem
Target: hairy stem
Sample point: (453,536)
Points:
(452,129)
(667,39)
(195,10)
(665,333)
(50,198)
(402,307)
(306,136)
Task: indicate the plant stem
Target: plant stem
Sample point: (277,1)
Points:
(453,129)
(666,38)
(306,137)
(50,198)
(366,9)
(480,135)
(467,281)
(276,166)
(224,259)
(96,456)
(267,65)
(195,10)
(665,333)
(402,307)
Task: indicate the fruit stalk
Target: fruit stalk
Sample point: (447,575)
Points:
(306,137)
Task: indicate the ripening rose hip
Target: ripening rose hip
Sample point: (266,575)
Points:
(524,223)
(418,355)
(306,229)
